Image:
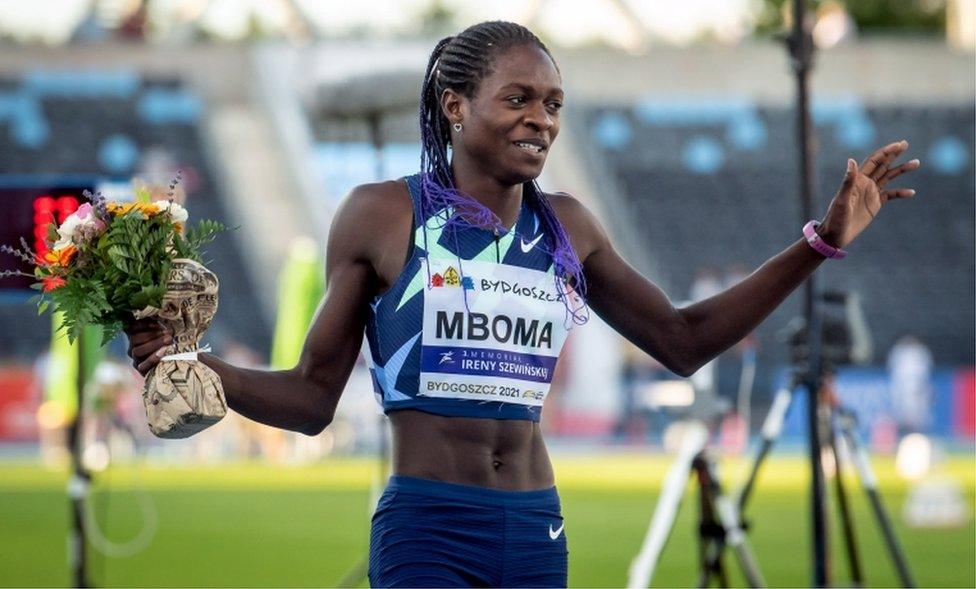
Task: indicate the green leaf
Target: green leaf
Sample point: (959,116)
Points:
(110,331)
(150,294)
(127,269)
(142,194)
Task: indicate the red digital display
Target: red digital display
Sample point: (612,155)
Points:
(27,213)
(45,207)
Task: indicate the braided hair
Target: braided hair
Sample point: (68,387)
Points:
(460,63)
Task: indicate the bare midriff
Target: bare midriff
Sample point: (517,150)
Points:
(493,453)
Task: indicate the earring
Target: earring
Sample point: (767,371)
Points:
(458,127)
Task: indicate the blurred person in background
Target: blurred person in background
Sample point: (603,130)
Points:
(637,371)
(465,280)
(113,400)
(50,416)
(737,374)
(706,284)
(251,439)
(909,380)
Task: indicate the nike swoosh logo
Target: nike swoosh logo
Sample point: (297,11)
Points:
(553,534)
(527,247)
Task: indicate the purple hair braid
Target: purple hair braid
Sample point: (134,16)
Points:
(460,63)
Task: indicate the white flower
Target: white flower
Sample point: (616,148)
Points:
(80,226)
(69,229)
(175,210)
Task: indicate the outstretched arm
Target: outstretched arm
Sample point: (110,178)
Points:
(303,398)
(684,339)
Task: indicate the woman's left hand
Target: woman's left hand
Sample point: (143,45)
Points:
(862,194)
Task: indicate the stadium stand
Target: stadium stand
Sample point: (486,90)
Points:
(713,183)
(106,124)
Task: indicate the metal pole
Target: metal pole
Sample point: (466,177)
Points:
(847,520)
(869,481)
(79,482)
(801,51)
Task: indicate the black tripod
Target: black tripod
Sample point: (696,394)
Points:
(835,422)
(845,423)
(842,338)
(719,523)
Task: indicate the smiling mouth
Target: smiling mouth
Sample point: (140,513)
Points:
(529,147)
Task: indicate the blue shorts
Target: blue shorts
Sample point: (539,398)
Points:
(432,534)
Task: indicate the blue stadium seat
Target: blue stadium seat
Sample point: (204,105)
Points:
(702,192)
(101,123)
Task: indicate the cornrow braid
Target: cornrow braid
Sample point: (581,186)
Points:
(461,63)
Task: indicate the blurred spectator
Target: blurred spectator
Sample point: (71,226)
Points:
(50,418)
(250,438)
(909,373)
(635,419)
(707,283)
(733,275)
(114,416)
(737,373)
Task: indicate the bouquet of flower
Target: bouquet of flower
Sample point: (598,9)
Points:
(109,263)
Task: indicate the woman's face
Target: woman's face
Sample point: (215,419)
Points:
(511,122)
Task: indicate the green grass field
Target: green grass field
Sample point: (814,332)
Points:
(254,525)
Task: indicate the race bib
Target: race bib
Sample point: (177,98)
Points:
(503,346)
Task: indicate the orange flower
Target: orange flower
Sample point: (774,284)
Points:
(60,257)
(119,209)
(53,283)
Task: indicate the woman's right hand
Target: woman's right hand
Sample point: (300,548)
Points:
(148,342)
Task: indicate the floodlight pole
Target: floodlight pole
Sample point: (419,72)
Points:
(801,48)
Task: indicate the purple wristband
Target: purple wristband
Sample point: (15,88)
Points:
(822,248)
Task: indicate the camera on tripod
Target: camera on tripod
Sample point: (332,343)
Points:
(844,336)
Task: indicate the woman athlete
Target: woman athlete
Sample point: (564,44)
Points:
(464,280)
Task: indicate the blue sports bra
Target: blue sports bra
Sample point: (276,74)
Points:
(473,326)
